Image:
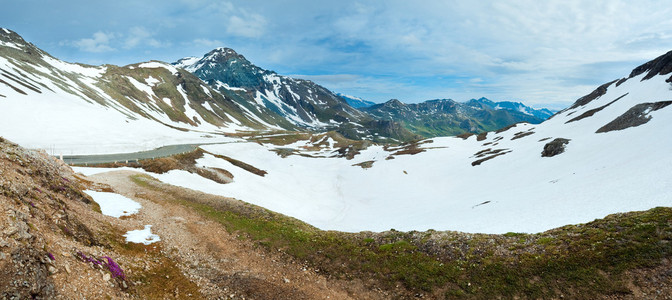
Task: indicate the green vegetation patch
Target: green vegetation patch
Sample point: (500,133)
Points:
(577,261)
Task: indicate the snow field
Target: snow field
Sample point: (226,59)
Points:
(599,174)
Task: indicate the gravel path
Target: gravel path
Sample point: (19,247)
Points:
(222,264)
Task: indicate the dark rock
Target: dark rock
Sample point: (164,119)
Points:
(635,116)
(554,147)
(591,112)
(662,65)
(601,90)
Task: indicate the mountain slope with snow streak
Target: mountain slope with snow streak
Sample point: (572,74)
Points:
(493,183)
(74,108)
(285,102)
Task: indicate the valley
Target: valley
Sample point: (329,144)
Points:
(257,185)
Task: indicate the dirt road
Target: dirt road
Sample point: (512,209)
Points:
(222,264)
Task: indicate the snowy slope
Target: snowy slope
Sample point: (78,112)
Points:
(73,108)
(444,187)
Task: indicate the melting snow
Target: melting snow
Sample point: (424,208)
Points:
(75,68)
(143,87)
(114,205)
(11,45)
(155,64)
(142,236)
(599,174)
(151,81)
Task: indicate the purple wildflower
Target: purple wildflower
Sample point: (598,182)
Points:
(32,204)
(114,268)
(88,259)
(51,256)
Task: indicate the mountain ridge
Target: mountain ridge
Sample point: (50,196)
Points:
(442,117)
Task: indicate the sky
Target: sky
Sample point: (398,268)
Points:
(542,53)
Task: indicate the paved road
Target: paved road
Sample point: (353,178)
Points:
(135,156)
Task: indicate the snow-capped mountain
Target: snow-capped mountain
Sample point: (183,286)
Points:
(66,107)
(280,100)
(607,153)
(149,103)
(286,102)
(356,102)
(444,117)
(541,114)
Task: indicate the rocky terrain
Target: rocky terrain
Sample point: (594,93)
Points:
(56,244)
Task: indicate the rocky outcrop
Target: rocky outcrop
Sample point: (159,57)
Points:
(601,90)
(36,196)
(662,65)
(554,147)
(635,116)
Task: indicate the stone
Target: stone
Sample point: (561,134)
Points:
(555,147)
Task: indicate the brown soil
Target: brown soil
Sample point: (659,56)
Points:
(53,239)
(219,263)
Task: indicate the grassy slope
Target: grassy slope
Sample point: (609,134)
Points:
(584,261)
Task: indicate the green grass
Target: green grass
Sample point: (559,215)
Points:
(583,261)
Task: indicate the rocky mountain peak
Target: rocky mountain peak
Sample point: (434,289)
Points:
(394,103)
(222,54)
(662,65)
(11,39)
(484,100)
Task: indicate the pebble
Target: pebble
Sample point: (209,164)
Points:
(106,277)
(52,270)
(67,268)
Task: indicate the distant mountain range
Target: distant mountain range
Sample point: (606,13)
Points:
(217,94)
(355,101)
(442,117)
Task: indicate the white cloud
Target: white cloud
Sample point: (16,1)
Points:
(246,25)
(100,42)
(537,51)
(139,36)
(208,43)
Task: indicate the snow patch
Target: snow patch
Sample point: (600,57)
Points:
(75,68)
(114,205)
(220,84)
(142,87)
(155,64)
(11,45)
(151,81)
(142,236)
(187,62)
